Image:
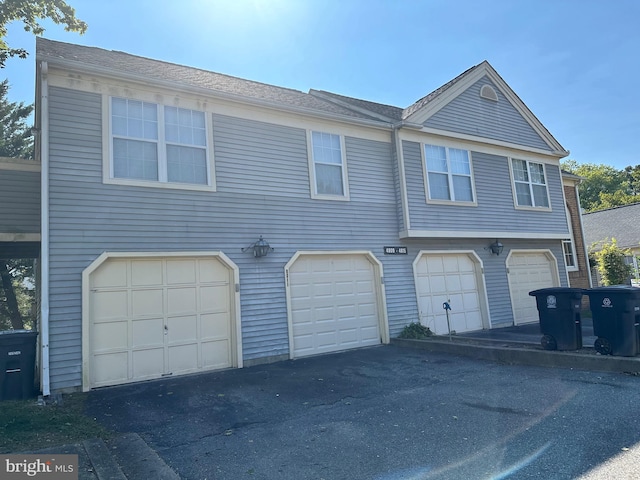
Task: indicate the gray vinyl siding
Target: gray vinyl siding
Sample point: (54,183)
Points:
(20,198)
(495,209)
(473,115)
(262,189)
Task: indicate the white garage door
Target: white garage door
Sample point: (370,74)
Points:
(529,271)
(452,278)
(333,303)
(151,317)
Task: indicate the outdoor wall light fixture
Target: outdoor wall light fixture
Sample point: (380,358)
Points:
(496,247)
(260,248)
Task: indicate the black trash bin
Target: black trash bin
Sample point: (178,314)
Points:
(17,364)
(559,313)
(616,315)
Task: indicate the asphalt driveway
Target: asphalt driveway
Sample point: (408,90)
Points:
(383,413)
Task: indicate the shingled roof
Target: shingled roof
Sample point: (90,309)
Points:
(124,63)
(621,223)
(318,100)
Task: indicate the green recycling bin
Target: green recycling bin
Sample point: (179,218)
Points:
(559,314)
(616,319)
(17,364)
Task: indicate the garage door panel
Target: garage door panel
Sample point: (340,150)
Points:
(146,273)
(216,354)
(182,329)
(110,336)
(449,278)
(179,318)
(215,326)
(214,298)
(112,275)
(453,283)
(147,332)
(147,302)
(183,358)
(182,300)
(181,272)
(147,363)
(108,306)
(110,368)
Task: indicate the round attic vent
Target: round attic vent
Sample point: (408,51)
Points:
(489,93)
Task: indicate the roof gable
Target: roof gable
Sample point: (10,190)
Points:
(484,118)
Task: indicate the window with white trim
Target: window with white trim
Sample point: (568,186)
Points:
(530,184)
(328,165)
(568,246)
(448,174)
(154,143)
(569,256)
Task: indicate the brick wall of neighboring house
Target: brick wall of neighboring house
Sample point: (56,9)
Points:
(580,278)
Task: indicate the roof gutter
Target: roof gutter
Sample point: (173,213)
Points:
(97,70)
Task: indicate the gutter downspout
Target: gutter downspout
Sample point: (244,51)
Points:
(401,177)
(44,234)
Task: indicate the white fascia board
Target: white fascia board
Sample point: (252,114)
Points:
(146,81)
(19,165)
(426,234)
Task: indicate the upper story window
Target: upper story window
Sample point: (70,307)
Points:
(448,173)
(154,143)
(530,184)
(328,167)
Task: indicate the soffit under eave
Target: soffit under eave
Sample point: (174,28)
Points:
(485,69)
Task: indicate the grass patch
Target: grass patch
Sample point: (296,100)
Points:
(26,426)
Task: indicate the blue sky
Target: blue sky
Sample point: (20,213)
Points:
(573,62)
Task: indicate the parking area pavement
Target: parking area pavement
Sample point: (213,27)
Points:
(383,413)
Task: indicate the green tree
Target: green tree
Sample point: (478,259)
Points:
(598,182)
(29,12)
(15,135)
(17,294)
(611,263)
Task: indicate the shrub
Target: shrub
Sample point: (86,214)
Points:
(611,264)
(416,331)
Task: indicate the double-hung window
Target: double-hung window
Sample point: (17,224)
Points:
(328,166)
(449,175)
(530,184)
(155,143)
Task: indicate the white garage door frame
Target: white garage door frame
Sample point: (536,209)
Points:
(555,273)
(479,274)
(234,295)
(383,323)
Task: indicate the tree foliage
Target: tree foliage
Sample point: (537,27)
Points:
(611,264)
(15,135)
(30,12)
(17,295)
(603,186)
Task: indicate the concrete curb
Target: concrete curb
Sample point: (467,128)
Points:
(103,463)
(139,460)
(520,355)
